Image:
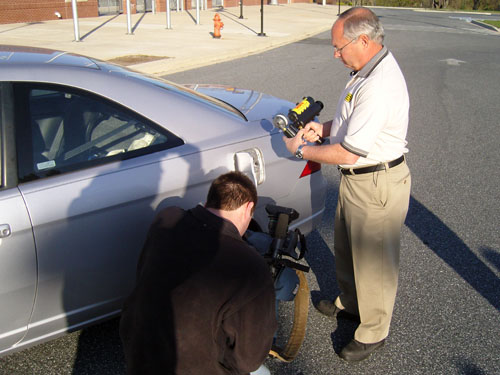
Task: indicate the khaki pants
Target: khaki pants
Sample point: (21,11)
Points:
(370,212)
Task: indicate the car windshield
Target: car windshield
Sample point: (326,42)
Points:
(171,86)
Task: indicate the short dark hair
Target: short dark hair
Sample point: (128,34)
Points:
(230,191)
(359,20)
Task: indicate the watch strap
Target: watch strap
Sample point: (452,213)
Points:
(298,153)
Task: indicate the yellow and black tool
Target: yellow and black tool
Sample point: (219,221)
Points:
(303,113)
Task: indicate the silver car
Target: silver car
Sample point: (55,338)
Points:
(89,153)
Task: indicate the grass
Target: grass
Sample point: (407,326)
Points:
(492,22)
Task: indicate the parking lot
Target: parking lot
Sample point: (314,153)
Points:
(447,318)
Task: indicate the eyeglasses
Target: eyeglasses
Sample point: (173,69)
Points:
(339,50)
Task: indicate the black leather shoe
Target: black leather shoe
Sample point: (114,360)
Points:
(329,309)
(357,351)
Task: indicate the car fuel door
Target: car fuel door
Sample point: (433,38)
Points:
(251,162)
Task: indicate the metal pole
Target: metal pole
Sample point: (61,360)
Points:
(169,23)
(129,21)
(241,9)
(338,14)
(262,33)
(75,21)
(197,12)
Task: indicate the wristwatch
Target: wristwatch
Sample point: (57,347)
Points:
(298,153)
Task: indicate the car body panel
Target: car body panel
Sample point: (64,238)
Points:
(253,104)
(18,271)
(89,223)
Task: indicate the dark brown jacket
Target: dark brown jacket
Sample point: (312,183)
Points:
(203,303)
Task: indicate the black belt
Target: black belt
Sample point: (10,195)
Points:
(372,168)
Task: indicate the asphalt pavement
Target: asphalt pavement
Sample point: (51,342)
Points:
(447,310)
(152,48)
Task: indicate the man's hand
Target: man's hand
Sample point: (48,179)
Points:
(310,133)
(292,144)
(313,131)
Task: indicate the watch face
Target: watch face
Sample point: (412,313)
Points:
(298,153)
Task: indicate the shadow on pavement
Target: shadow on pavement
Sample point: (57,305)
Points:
(100,350)
(436,235)
(98,27)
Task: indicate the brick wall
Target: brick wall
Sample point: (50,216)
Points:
(160,4)
(133,6)
(14,11)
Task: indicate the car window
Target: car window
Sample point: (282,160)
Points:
(71,130)
(179,89)
(194,95)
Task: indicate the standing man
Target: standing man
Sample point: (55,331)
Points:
(204,299)
(368,143)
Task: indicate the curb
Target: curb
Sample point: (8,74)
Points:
(183,65)
(485,25)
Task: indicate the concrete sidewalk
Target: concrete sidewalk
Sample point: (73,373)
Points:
(154,49)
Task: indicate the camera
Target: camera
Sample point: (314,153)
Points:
(303,113)
(280,247)
(290,283)
(285,241)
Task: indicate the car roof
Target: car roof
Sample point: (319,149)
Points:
(33,55)
(147,95)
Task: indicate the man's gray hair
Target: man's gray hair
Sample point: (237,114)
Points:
(358,21)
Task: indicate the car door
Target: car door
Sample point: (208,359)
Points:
(17,268)
(17,249)
(88,191)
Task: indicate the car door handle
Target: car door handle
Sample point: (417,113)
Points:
(5,230)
